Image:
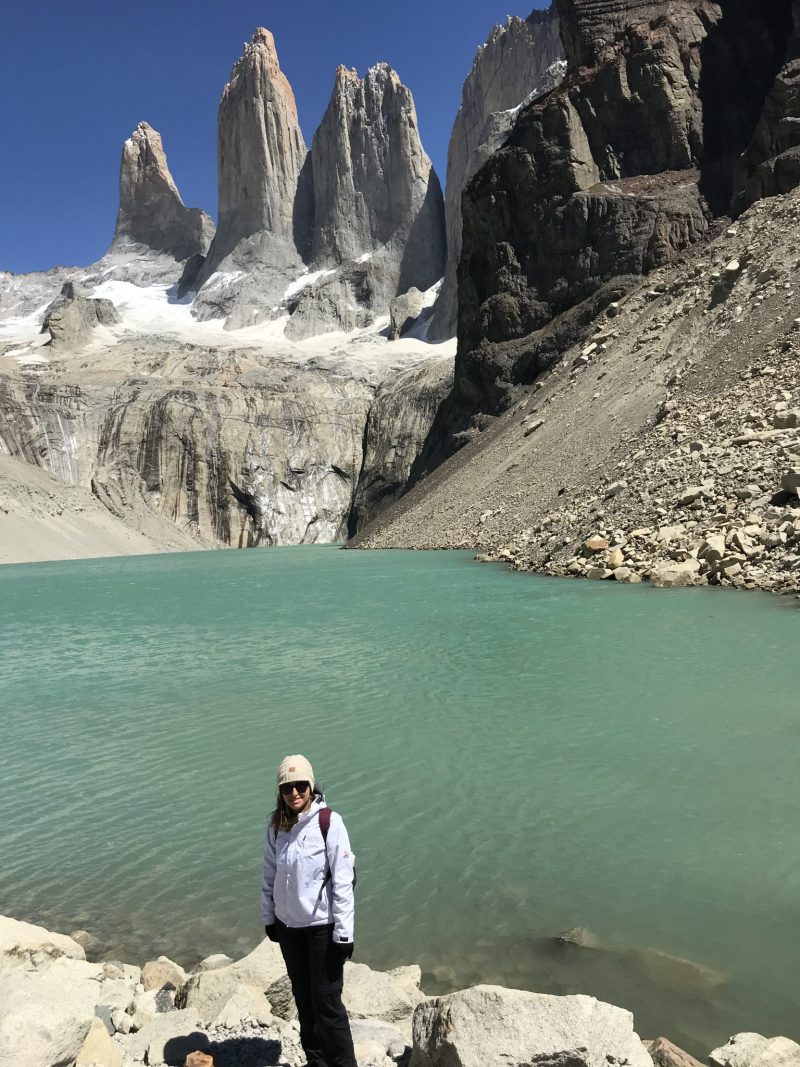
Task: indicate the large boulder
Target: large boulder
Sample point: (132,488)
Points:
(753,1050)
(19,941)
(489,1024)
(206,992)
(47,1011)
(391,996)
(156,974)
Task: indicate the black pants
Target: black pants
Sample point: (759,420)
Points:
(316,972)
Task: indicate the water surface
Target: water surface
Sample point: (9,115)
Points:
(513,756)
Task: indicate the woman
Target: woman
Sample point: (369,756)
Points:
(307,907)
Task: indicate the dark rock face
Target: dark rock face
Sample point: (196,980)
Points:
(519,62)
(771,164)
(612,174)
(151,211)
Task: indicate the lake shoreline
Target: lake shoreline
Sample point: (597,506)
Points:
(62,1008)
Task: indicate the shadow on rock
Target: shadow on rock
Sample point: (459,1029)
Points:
(232,1052)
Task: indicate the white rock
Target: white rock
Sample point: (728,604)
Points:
(46,1015)
(490,1025)
(24,940)
(372,994)
(245,1003)
(753,1050)
(150,1003)
(214,962)
(675,575)
(262,968)
(175,1034)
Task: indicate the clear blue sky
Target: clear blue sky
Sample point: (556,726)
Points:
(76,77)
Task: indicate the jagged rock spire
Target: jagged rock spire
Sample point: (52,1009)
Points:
(261,150)
(151,211)
(374,186)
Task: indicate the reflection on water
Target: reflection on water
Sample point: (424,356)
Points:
(514,757)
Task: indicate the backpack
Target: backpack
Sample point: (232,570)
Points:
(324,826)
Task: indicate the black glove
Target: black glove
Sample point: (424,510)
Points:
(272,931)
(344,949)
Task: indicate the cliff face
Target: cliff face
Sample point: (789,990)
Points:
(771,164)
(232,446)
(378,211)
(260,150)
(374,185)
(151,211)
(518,63)
(613,174)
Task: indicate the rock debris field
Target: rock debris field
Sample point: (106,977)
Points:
(664,446)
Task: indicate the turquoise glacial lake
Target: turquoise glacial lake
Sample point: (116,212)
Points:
(514,756)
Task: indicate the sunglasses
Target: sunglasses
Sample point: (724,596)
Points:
(287,788)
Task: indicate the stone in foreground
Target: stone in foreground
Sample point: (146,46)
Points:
(664,1054)
(20,940)
(490,1025)
(753,1050)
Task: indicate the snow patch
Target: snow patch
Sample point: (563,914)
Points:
(303,281)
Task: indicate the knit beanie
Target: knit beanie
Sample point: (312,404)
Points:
(295,769)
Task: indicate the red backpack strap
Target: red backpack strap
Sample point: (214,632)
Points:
(325,823)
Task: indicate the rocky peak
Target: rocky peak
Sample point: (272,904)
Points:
(519,62)
(151,211)
(374,185)
(261,150)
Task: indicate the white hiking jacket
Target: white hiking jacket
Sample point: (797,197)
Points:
(295,864)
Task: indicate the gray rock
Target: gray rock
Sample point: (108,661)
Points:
(71,318)
(488,1024)
(399,419)
(753,1050)
(519,62)
(151,212)
(340,301)
(372,994)
(378,208)
(786,420)
(404,310)
(245,1004)
(214,962)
